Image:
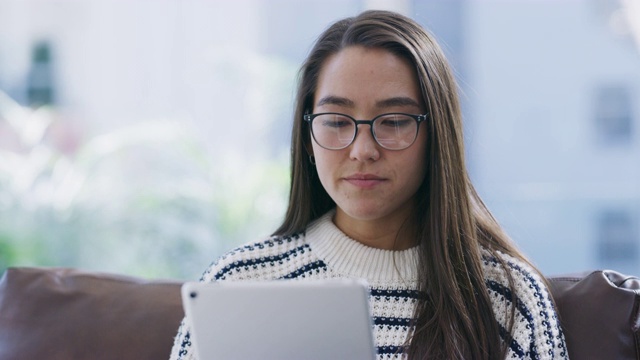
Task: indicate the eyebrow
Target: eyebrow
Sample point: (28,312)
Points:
(386,103)
(397,101)
(335,100)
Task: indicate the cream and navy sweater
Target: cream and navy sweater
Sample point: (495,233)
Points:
(324,252)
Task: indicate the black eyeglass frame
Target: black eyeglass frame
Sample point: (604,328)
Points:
(418,118)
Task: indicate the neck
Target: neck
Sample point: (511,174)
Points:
(393,233)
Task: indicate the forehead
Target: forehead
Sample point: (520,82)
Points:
(367,75)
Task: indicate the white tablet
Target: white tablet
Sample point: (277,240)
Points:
(327,319)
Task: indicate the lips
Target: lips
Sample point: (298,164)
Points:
(365,181)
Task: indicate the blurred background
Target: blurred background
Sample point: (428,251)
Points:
(148,137)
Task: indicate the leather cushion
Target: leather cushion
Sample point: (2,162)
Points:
(70,314)
(600,314)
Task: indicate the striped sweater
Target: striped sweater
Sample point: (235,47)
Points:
(323,252)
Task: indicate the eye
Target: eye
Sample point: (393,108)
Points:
(395,121)
(335,121)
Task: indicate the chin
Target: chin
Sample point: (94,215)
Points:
(365,213)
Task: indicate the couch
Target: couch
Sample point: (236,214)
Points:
(54,313)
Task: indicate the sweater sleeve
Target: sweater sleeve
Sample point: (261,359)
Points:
(232,266)
(182,345)
(536,331)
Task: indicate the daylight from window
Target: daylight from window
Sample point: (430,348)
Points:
(150,137)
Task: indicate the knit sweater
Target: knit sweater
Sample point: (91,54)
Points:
(324,252)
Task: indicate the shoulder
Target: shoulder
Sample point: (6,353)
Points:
(512,274)
(512,282)
(515,287)
(262,260)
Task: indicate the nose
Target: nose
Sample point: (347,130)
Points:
(364,146)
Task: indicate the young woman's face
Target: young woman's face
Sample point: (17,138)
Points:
(367,181)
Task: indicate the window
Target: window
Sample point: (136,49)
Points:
(617,237)
(614,115)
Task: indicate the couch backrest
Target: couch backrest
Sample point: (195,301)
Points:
(70,314)
(600,314)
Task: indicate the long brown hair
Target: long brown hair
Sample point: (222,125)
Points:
(455,319)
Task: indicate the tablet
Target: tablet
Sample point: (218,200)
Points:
(282,319)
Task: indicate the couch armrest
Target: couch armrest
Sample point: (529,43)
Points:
(53,313)
(600,314)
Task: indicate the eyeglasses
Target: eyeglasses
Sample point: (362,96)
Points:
(393,131)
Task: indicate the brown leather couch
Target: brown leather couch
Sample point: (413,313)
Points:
(53,313)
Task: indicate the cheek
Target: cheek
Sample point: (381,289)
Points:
(324,165)
(418,162)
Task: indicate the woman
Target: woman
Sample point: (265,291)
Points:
(389,200)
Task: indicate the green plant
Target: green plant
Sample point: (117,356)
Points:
(145,200)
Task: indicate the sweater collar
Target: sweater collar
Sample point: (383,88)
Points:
(351,258)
